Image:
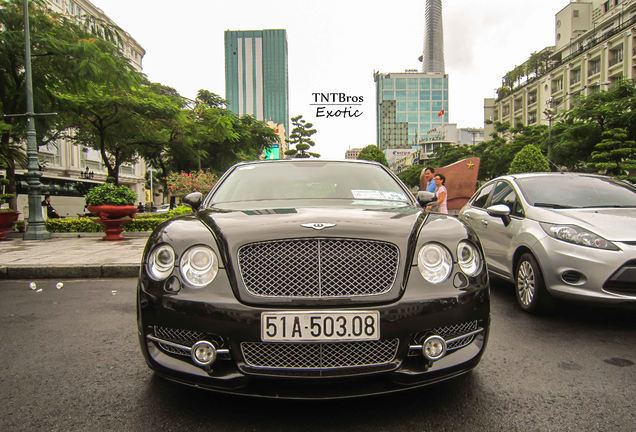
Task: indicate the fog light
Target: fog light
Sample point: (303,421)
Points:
(203,353)
(434,347)
(172,285)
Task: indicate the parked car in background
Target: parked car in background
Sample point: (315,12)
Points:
(311,279)
(568,235)
(163,208)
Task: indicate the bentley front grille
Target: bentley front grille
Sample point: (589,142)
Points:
(319,355)
(318,268)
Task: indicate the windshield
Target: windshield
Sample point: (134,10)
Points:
(569,191)
(327,182)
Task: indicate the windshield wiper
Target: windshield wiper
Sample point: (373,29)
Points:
(611,206)
(554,206)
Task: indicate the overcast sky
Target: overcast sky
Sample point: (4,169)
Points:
(336,45)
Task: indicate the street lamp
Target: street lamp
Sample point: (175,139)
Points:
(36,229)
(549,113)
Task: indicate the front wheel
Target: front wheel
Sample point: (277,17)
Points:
(532,295)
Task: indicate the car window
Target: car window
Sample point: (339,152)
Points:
(576,191)
(309,181)
(482,196)
(505,194)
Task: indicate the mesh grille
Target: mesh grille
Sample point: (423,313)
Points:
(450,332)
(319,356)
(318,267)
(180,336)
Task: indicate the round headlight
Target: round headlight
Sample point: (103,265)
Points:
(199,266)
(434,262)
(468,258)
(161,262)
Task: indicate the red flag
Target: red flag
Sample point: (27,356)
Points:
(441,113)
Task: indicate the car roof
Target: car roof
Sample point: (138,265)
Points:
(548,174)
(309,160)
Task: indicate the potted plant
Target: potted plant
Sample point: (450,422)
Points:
(114,205)
(8,216)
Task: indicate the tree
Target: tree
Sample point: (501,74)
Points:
(301,137)
(373,153)
(411,175)
(529,159)
(615,154)
(451,153)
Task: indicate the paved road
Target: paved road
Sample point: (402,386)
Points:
(70,362)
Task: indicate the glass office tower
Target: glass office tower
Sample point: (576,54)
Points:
(256,81)
(412,108)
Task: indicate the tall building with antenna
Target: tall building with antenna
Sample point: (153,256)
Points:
(412,106)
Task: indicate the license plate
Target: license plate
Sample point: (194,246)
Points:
(317,326)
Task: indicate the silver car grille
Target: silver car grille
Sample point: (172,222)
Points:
(318,267)
(319,355)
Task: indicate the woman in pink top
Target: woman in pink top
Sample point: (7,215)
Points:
(441,194)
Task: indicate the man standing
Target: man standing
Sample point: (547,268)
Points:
(426,180)
(51,213)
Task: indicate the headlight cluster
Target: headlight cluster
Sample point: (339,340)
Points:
(435,261)
(199,265)
(577,235)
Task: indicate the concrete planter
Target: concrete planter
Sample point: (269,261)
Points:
(7,221)
(112,218)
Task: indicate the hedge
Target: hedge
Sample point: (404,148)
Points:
(89,224)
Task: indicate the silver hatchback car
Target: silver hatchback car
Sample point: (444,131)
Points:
(567,235)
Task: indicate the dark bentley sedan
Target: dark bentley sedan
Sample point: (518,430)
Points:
(312,279)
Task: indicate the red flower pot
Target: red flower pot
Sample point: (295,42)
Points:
(112,218)
(7,221)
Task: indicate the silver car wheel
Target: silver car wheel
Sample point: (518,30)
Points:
(526,283)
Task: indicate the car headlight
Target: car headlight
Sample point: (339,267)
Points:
(199,266)
(577,235)
(434,262)
(468,258)
(161,262)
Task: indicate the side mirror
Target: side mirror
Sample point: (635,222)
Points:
(500,210)
(193,200)
(425,197)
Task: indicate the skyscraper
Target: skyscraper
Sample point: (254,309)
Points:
(433,56)
(412,106)
(256,74)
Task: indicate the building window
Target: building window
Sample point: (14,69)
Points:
(518,104)
(594,66)
(557,84)
(532,97)
(606,6)
(505,110)
(575,76)
(616,55)
(532,117)
(575,13)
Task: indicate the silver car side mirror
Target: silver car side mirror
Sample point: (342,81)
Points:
(500,210)
(425,197)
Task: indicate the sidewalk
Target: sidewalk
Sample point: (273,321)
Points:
(71,257)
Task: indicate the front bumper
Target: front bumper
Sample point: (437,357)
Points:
(228,324)
(581,273)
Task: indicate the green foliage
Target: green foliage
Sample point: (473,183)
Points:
(109,193)
(529,159)
(373,153)
(411,175)
(64,225)
(615,154)
(179,211)
(146,224)
(450,153)
(301,137)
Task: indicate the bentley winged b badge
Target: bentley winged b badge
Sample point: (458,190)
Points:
(318,226)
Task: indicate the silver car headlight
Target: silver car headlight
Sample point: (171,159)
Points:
(434,262)
(577,235)
(468,258)
(199,266)
(161,262)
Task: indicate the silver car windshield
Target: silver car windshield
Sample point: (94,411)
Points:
(582,191)
(327,181)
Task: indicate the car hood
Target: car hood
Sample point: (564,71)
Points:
(618,224)
(246,226)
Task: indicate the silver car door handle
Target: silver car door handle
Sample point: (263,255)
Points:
(484,222)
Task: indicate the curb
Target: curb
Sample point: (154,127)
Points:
(66,272)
